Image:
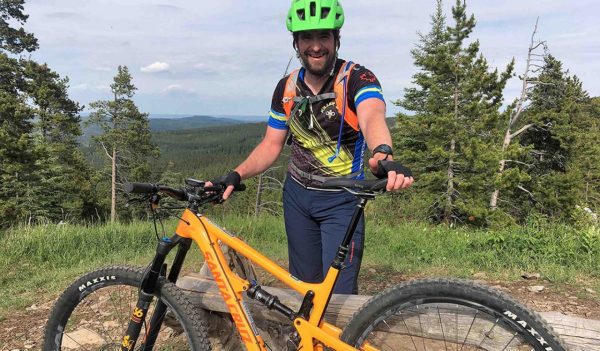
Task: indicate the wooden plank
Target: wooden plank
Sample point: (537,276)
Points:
(580,334)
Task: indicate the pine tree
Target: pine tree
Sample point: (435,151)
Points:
(558,111)
(587,157)
(18,154)
(68,181)
(42,172)
(126,137)
(15,40)
(450,140)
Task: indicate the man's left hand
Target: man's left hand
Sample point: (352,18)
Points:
(399,177)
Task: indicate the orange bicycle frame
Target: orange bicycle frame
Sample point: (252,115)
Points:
(208,235)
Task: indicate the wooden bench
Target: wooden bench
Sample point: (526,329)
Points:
(580,334)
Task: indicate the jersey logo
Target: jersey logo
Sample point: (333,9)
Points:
(368,77)
(330,114)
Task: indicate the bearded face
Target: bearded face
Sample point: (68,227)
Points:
(317,51)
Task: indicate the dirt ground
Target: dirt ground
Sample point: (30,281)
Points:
(24,329)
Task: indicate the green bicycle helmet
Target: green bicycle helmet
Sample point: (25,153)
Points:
(315,14)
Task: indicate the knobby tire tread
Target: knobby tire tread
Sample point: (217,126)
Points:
(379,304)
(192,319)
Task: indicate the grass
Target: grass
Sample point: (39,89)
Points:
(40,261)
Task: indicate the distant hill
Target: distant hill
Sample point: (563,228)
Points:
(163,123)
(193,122)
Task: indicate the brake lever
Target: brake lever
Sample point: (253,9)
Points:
(140,199)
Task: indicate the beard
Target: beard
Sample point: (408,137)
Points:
(317,69)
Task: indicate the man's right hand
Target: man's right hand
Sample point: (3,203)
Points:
(231,180)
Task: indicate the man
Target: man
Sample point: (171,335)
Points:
(332,109)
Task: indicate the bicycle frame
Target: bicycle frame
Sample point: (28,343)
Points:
(308,321)
(207,235)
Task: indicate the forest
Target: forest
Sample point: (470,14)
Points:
(478,160)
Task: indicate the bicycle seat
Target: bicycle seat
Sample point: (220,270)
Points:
(372,185)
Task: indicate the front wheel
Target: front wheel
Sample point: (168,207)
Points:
(93,313)
(448,314)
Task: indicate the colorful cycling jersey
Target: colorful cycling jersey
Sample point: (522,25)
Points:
(315,128)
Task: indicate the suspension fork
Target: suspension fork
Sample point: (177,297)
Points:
(147,290)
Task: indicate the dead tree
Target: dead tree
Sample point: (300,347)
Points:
(532,66)
(267,182)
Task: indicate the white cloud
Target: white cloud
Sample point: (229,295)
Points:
(156,67)
(202,47)
(178,89)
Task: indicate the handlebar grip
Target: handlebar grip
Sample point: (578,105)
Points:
(140,188)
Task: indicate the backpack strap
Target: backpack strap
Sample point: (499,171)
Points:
(341,94)
(290,92)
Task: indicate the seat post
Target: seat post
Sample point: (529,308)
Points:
(343,249)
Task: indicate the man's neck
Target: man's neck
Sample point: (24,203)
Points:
(315,83)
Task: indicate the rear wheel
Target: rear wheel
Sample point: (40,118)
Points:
(93,313)
(448,314)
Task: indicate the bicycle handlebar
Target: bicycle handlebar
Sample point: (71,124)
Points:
(368,186)
(147,188)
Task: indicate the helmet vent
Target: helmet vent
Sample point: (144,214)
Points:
(301,15)
(313,9)
(325,12)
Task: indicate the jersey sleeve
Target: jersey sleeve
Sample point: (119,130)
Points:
(277,117)
(363,85)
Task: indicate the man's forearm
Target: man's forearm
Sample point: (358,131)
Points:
(259,160)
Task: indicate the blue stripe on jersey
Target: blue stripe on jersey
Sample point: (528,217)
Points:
(359,154)
(371,91)
(277,120)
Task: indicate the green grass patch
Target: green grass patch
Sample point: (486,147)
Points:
(37,262)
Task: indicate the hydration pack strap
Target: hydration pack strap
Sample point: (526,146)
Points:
(317,178)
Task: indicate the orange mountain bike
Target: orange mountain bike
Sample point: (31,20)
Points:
(125,308)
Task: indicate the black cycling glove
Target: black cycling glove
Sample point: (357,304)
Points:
(231,178)
(383,167)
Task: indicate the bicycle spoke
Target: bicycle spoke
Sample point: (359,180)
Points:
(442,327)
(456,326)
(510,341)
(487,334)
(422,331)
(469,331)
(408,331)
(75,341)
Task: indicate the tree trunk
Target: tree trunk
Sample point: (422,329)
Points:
(113,186)
(450,173)
(450,189)
(496,193)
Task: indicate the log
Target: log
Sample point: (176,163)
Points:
(580,334)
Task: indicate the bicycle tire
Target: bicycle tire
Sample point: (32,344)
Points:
(448,314)
(94,311)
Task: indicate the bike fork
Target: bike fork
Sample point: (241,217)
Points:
(147,290)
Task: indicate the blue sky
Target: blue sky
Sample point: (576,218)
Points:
(225,57)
